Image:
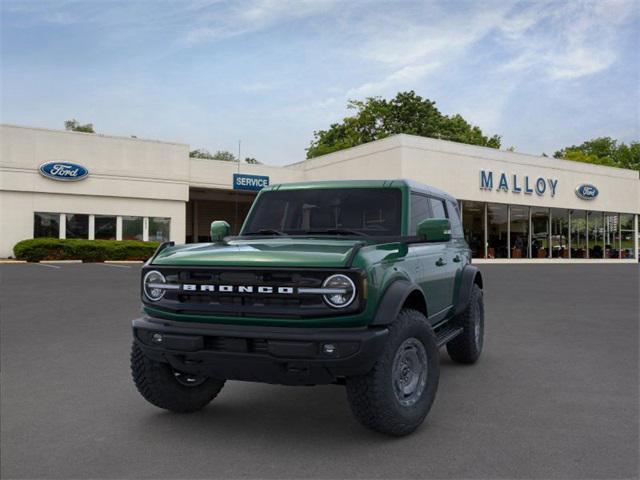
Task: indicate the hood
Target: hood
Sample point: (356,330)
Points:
(271,252)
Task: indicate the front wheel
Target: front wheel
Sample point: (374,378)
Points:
(396,395)
(167,388)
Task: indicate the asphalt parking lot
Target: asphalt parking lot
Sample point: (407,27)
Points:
(555,394)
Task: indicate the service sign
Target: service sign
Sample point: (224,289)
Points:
(586,191)
(63,171)
(253,183)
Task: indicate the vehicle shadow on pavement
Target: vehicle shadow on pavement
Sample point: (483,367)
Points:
(276,412)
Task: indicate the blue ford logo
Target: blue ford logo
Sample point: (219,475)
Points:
(64,171)
(586,191)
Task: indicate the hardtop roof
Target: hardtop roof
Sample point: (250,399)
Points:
(397,183)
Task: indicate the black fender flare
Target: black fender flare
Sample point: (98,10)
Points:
(393,299)
(470,275)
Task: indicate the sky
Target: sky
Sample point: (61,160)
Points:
(542,74)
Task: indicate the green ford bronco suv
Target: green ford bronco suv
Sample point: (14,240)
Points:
(353,283)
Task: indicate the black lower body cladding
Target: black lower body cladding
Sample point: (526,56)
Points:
(279,355)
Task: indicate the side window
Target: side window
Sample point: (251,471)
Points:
(438,208)
(456,224)
(419,211)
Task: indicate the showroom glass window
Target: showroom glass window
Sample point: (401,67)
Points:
(159,228)
(626,236)
(132,228)
(559,233)
(77,226)
(497,227)
(578,234)
(611,235)
(473,225)
(595,235)
(105,227)
(420,210)
(46,225)
(539,232)
(519,231)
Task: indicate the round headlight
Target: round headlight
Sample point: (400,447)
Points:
(152,285)
(342,293)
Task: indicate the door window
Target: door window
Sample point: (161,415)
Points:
(420,210)
(438,208)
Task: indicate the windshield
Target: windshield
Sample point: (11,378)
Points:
(330,211)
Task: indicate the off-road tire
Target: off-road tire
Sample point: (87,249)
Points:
(467,347)
(156,382)
(372,396)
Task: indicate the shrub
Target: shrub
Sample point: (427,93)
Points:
(37,249)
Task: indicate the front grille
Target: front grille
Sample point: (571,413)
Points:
(251,304)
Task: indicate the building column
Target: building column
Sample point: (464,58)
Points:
(509,231)
(118,227)
(194,225)
(569,217)
(63,225)
(486,235)
(635,237)
(145,229)
(530,236)
(92,227)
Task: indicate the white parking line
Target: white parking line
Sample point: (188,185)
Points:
(113,265)
(47,265)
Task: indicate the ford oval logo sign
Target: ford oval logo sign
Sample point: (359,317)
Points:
(586,191)
(63,171)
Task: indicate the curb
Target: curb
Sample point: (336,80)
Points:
(60,261)
(124,261)
(8,261)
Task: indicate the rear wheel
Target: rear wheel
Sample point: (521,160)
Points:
(467,347)
(167,388)
(396,395)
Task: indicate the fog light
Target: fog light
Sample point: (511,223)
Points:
(329,348)
(156,338)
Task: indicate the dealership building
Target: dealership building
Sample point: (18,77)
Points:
(515,207)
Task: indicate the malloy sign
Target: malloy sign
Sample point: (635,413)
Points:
(515,183)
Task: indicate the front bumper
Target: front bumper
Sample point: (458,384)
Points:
(282,355)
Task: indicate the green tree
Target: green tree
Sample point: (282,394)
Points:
(219,155)
(252,161)
(74,126)
(225,156)
(377,118)
(604,151)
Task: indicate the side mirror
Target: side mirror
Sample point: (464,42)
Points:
(219,230)
(435,229)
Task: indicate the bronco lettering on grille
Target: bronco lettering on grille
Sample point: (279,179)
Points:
(191,287)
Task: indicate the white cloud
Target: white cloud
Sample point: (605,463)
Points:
(246,17)
(405,77)
(564,41)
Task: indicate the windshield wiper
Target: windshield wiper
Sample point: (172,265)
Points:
(266,231)
(339,231)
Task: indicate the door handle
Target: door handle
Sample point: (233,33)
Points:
(457,259)
(441,262)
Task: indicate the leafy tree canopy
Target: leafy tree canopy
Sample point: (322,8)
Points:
(604,151)
(75,126)
(252,161)
(219,155)
(377,118)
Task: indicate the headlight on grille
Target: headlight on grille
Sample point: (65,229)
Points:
(153,285)
(340,291)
